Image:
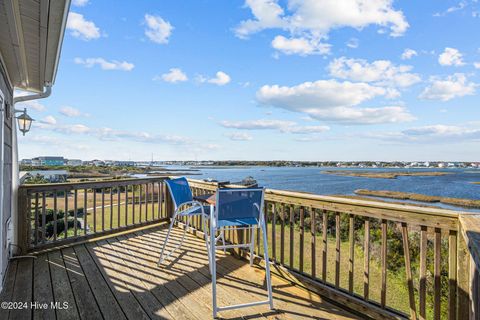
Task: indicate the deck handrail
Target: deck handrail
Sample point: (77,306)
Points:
(60,213)
(444,283)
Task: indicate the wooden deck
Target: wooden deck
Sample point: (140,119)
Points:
(118,278)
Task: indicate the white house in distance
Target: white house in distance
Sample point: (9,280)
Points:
(31,35)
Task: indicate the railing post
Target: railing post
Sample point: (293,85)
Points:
(23,227)
(168,203)
(463,273)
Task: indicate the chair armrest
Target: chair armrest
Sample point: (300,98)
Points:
(194,203)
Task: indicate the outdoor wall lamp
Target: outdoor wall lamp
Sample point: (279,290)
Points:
(24,121)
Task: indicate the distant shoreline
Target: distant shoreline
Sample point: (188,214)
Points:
(386,174)
(466,203)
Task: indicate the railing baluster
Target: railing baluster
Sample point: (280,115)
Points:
(337,250)
(36,219)
(85,211)
(126,205)
(44,217)
(366,260)
(94,210)
(111,208)
(282,236)
(75,214)
(383,253)
(160,193)
(103,209)
(146,202)
(119,200)
(351,257)
(423,273)
(140,202)
(313,250)
(302,238)
(436,273)
(408,272)
(324,245)
(292,234)
(54,215)
(452,275)
(133,203)
(152,201)
(65,214)
(274,227)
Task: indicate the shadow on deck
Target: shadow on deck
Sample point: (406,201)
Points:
(118,278)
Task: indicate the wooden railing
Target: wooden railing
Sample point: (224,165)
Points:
(383,260)
(60,213)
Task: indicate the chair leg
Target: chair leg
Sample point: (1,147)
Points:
(252,244)
(223,242)
(166,239)
(267,264)
(214,272)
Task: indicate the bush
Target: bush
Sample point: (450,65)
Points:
(49,230)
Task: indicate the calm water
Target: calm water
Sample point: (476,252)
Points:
(456,185)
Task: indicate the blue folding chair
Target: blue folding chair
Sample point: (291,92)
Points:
(185,206)
(241,209)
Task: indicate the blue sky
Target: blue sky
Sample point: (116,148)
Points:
(264,80)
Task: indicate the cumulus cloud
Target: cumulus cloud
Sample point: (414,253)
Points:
(271,124)
(334,101)
(310,21)
(476,65)
(408,54)
(450,57)
(49,120)
(158,30)
(32,104)
(438,133)
(80,3)
(301,46)
(72,112)
(380,72)
(105,64)
(220,79)
(239,136)
(453,86)
(173,76)
(81,28)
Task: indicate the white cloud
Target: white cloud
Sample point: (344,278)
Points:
(450,57)
(173,76)
(313,20)
(270,124)
(239,136)
(220,79)
(380,72)
(453,86)
(49,120)
(408,54)
(476,65)
(353,43)
(32,104)
(301,46)
(81,28)
(158,30)
(72,112)
(335,101)
(80,3)
(105,64)
(461,5)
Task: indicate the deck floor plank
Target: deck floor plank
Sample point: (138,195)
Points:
(118,278)
(106,300)
(62,291)
(8,286)
(200,290)
(22,291)
(42,288)
(197,270)
(86,303)
(126,299)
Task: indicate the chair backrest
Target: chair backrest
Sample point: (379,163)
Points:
(234,203)
(179,190)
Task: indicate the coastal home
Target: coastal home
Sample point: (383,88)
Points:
(49,161)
